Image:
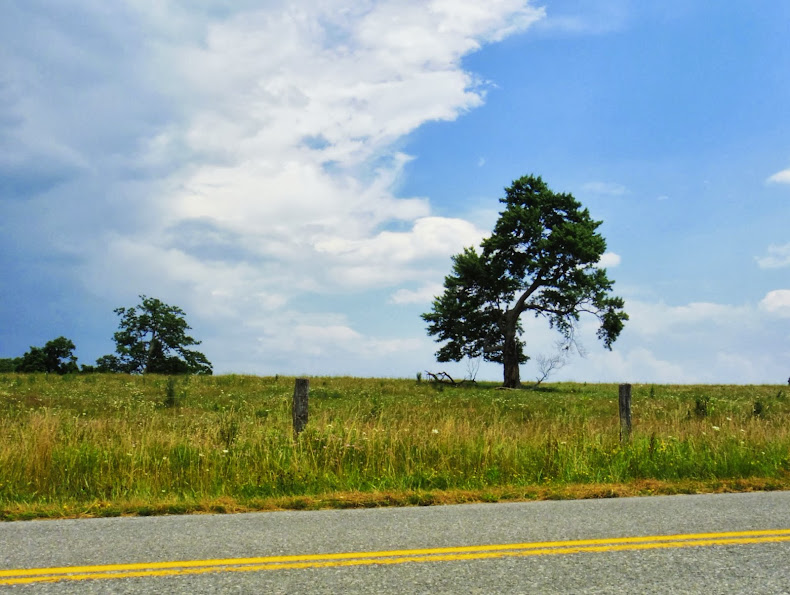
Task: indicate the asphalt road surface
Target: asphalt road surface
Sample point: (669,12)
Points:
(726,543)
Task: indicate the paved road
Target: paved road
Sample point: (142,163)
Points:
(733,543)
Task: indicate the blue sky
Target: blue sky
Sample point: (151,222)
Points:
(297,175)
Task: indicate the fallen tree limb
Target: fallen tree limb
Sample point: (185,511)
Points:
(445,378)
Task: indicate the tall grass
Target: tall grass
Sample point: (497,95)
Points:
(68,440)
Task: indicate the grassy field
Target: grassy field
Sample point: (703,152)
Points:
(100,445)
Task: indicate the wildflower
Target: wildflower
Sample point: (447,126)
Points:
(716,428)
(729,419)
(225,451)
(434,431)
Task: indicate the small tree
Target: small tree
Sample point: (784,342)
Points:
(9,364)
(152,339)
(542,257)
(56,357)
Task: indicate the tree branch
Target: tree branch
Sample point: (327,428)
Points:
(445,378)
(522,300)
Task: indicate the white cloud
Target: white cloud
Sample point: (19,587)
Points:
(429,237)
(318,338)
(609,260)
(778,256)
(781,177)
(651,319)
(593,17)
(423,295)
(356,79)
(273,129)
(635,365)
(295,342)
(777,302)
(699,342)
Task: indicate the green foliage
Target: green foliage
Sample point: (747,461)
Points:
(758,409)
(542,257)
(9,364)
(152,339)
(56,357)
(108,363)
(468,315)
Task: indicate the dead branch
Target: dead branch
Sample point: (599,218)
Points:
(445,378)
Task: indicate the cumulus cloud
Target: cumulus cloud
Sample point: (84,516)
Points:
(650,319)
(778,257)
(295,342)
(777,302)
(609,260)
(697,342)
(638,365)
(423,295)
(781,177)
(291,120)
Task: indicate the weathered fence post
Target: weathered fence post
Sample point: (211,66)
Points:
(625,412)
(301,389)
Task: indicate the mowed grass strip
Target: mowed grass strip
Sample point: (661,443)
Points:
(109,444)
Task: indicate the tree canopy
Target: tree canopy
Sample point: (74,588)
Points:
(152,339)
(543,257)
(56,357)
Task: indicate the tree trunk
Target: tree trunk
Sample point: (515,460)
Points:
(150,356)
(510,352)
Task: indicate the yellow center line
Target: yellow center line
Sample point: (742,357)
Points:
(479,552)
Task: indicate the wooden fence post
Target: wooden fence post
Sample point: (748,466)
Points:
(301,390)
(625,412)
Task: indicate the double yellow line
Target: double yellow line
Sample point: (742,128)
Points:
(480,552)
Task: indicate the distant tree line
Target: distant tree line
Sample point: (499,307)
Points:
(151,339)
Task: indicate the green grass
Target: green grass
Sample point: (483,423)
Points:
(116,444)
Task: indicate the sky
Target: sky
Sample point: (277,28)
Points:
(297,175)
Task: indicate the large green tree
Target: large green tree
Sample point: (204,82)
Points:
(542,257)
(152,339)
(56,357)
